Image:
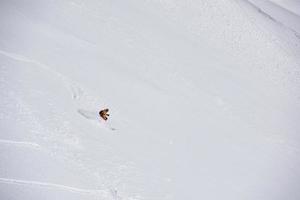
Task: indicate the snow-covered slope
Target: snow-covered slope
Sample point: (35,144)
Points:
(203,97)
(291,5)
(281,16)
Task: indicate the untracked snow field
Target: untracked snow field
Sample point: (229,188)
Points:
(204,99)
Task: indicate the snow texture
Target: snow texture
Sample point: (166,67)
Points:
(203,96)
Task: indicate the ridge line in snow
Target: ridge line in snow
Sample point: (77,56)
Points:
(262,12)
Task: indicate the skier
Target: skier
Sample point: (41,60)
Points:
(104,114)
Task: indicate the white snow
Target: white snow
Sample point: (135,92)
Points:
(291,5)
(203,98)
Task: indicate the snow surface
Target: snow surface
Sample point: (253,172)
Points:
(291,5)
(203,96)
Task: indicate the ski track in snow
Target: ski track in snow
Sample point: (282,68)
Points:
(87,114)
(93,117)
(102,193)
(75,90)
(20,143)
(135,163)
(78,94)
